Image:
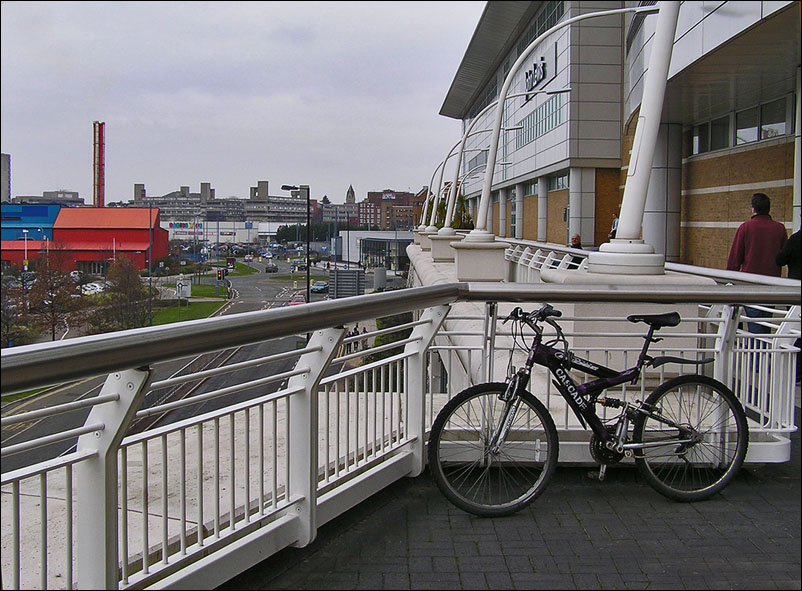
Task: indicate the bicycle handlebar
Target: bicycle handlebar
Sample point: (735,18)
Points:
(539,315)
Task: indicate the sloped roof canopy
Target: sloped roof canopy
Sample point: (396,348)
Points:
(498,30)
(106,218)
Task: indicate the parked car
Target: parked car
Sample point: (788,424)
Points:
(297,299)
(320,287)
(271,268)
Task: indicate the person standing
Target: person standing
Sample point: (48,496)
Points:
(757,241)
(614,227)
(755,247)
(790,255)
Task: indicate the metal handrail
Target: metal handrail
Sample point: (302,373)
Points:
(38,365)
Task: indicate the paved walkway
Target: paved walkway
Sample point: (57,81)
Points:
(580,534)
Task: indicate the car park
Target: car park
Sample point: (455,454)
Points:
(92,288)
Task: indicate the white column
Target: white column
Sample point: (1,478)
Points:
(542,208)
(519,210)
(490,214)
(581,203)
(661,215)
(627,253)
(502,213)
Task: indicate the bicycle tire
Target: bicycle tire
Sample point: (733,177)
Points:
(469,475)
(699,470)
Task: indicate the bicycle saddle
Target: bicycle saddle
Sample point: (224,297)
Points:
(656,320)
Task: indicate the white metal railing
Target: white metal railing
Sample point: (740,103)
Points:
(528,258)
(194,502)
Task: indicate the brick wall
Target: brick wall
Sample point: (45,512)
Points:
(608,201)
(717,190)
(556,226)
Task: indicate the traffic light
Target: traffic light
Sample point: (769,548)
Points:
(219,274)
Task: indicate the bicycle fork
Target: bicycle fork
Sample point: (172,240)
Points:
(512,401)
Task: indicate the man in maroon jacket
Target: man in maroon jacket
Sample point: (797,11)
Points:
(755,247)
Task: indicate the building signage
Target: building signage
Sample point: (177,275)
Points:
(186,225)
(543,70)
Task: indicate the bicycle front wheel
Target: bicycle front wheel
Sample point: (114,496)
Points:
(695,438)
(483,479)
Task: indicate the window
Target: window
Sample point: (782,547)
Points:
(746,126)
(540,121)
(511,203)
(720,133)
(772,119)
(701,138)
(478,160)
(558,182)
(761,122)
(551,13)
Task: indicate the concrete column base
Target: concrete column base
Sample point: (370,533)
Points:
(425,243)
(479,261)
(626,257)
(442,252)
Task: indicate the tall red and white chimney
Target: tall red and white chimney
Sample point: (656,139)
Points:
(99,168)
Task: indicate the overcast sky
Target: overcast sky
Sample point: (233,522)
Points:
(328,94)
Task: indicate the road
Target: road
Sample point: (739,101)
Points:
(257,291)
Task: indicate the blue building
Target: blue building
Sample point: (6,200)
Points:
(37,219)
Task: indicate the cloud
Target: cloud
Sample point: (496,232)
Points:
(324,93)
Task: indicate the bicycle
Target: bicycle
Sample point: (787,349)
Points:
(494,446)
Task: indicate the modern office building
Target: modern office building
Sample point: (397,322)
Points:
(727,127)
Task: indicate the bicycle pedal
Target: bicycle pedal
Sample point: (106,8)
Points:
(600,475)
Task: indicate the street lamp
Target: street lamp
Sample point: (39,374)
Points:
(304,188)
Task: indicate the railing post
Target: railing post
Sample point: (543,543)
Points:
(725,345)
(302,450)
(782,378)
(415,382)
(97,560)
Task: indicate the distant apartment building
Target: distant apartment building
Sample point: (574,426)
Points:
(59,196)
(381,210)
(5,179)
(184,205)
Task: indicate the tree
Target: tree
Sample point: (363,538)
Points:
(325,200)
(14,326)
(125,303)
(462,217)
(54,295)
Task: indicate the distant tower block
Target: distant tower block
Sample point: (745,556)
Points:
(99,171)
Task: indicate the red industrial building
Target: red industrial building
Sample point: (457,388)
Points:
(88,237)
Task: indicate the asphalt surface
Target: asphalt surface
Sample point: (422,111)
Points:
(580,534)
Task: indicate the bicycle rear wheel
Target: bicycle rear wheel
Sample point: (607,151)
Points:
(477,479)
(712,427)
